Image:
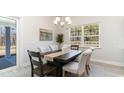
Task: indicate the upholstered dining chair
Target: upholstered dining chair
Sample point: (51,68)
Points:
(88,62)
(74,47)
(78,68)
(37,66)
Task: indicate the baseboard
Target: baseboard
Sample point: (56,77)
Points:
(121,64)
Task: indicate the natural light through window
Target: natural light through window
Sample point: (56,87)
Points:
(86,35)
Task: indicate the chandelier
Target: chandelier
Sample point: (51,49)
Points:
(62,21)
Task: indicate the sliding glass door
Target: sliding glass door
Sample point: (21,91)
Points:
(7,42)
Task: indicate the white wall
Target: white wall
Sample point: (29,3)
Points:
(30,34)
(112,37)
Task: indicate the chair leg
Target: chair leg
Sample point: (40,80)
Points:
(87,70)
(63,73)
(57,71)
(85,74)
(32,75)
(88,67)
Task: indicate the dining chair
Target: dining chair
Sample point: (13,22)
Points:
(37,66)
(88,62)
(54,47)
(74,47)
(78,68)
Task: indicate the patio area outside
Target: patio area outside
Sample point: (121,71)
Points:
(2,50)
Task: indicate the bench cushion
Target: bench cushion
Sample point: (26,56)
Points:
(54,47)
(44,49)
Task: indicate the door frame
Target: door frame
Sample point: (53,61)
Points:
(18,26)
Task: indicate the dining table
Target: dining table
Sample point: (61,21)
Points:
(61,58)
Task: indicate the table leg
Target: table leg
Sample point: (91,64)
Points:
(59,67)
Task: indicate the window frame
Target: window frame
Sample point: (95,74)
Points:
(82,36)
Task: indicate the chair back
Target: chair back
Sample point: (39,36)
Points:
(83,60)
(75,47)
(92,48)
(89,57)
(35,59)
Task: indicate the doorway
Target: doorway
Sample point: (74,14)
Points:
(7,42)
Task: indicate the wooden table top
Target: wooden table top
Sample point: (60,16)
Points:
(62,55)
(68,56)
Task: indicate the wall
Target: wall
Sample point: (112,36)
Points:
(111,31)
(112,37)
(30,34)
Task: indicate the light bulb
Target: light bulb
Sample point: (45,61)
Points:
(62,23)
(69,22)
(57,19)
(67,19)
(55,22)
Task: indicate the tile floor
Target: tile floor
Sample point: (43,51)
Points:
(97,70)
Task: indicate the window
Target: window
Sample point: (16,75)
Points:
(76,35)
(86,35)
